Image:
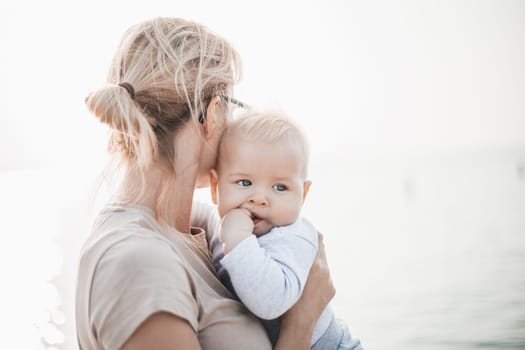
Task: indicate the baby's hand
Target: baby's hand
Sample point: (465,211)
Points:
(236,225)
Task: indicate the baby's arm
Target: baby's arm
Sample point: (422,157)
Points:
(268,273)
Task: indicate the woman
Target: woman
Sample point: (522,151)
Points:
(145,277)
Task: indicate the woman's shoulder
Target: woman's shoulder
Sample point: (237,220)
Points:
(131,274)
(141,249)
(127,237)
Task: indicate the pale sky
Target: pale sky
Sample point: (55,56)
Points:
(362,76)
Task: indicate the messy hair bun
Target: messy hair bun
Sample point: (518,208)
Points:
(174,67)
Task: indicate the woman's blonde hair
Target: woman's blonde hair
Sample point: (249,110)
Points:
(164,73)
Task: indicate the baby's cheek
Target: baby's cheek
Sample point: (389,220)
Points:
(225,202)
(222,212)
(288,215)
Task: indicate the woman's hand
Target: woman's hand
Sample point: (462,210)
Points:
(297,324)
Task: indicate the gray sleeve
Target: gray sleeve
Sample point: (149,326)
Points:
(269,273)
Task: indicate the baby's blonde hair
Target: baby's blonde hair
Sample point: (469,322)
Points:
(266,127)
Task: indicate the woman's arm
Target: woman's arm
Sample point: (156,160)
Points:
(163,331)
(298,323)
(139,282)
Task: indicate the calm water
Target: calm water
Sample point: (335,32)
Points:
(426,252)
(432,252)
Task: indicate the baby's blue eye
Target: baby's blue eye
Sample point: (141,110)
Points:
(244,183)
(280,187)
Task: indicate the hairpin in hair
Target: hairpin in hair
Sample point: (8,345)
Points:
(129,88)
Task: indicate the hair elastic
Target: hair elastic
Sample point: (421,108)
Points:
(129,88)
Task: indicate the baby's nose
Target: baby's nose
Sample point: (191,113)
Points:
(259,199)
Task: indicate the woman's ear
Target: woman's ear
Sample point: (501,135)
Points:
(306,189)
(214,178)
(214,114)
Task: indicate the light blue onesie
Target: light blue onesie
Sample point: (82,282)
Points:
(268,274)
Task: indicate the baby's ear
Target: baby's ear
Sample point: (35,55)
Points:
(306,188)
(213,185)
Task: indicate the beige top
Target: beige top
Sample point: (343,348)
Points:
(130,268)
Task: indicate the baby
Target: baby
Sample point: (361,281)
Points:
(259,186)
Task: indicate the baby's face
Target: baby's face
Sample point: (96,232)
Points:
(266,179)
